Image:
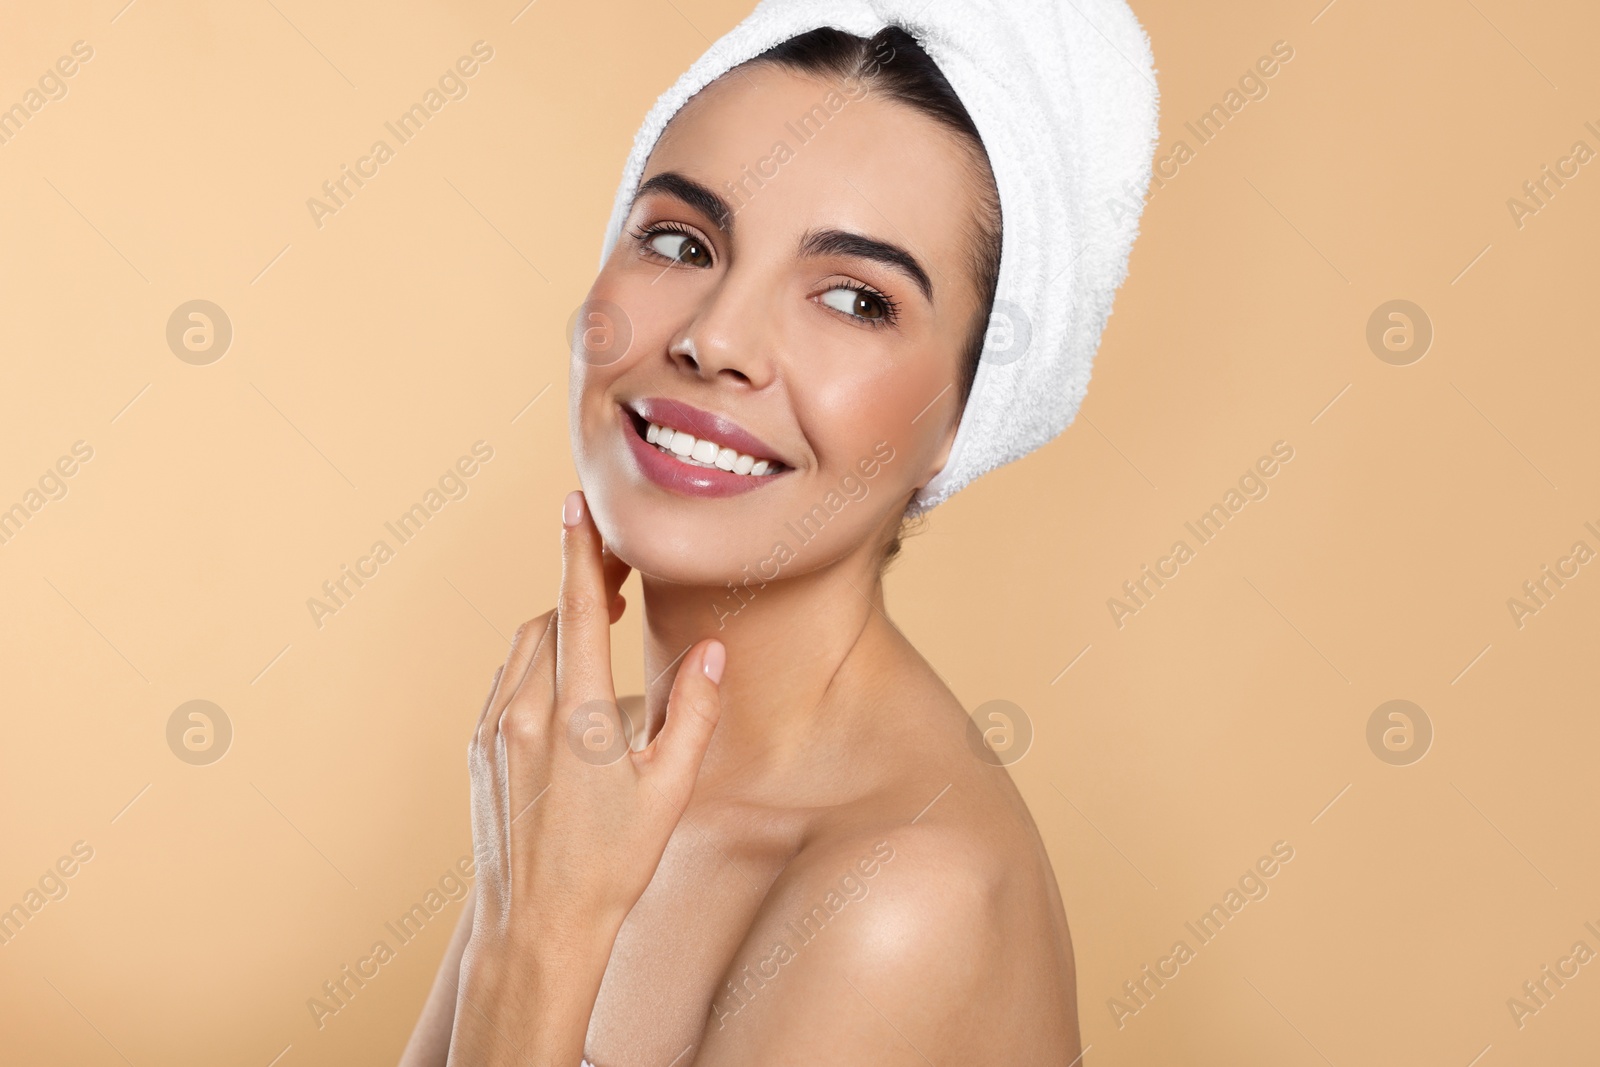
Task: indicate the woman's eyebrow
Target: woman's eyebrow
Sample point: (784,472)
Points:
(691,192)
(843,243)
(814,243)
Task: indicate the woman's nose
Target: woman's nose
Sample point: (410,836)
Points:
(729,337)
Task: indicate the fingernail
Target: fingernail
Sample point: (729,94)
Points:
(572,509)
(716,659)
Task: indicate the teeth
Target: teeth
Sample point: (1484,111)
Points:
(700,453)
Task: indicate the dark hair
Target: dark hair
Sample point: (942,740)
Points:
(893,63)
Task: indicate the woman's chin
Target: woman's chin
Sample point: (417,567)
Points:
(680,556)
(694,571)
(711,542)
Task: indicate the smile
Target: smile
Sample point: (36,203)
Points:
(702,453)
(721,459)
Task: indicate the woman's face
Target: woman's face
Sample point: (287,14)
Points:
(793,285)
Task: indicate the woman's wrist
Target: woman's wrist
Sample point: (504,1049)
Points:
(527,1000)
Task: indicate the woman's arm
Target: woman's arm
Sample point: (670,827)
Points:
(430,1041)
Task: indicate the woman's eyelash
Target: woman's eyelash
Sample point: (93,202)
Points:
(891,309)
(644,233)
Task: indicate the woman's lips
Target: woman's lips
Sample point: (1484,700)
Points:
(670,472)
(703,425)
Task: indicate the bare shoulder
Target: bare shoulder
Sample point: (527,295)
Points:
(925,890)
(920,919)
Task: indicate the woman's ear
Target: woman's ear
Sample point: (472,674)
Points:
(942,456)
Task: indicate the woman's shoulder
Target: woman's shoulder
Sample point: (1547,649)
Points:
(913,926)
(933,876)
(957,847)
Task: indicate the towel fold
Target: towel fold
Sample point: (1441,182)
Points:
(1063,93)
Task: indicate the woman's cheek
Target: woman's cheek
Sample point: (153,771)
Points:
(887,405)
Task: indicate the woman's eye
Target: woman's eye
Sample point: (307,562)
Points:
(855,302)
(681,247)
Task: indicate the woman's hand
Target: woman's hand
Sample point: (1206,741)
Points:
(568,822)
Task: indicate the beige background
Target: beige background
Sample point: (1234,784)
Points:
(428,314)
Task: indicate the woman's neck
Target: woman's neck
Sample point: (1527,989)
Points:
(787,643)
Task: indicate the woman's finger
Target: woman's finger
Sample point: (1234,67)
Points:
(672,760)
(525,645)
(583,613)
(488,702)
(529,635)
(535,637)
(541,663)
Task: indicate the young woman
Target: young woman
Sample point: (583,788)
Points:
(786,850)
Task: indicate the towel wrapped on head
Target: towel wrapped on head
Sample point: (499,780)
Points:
(1063,94)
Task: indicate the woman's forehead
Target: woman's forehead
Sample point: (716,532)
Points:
(794,152)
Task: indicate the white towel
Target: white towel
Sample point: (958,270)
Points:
(1063,93)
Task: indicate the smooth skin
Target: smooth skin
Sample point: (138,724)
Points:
(618,904)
